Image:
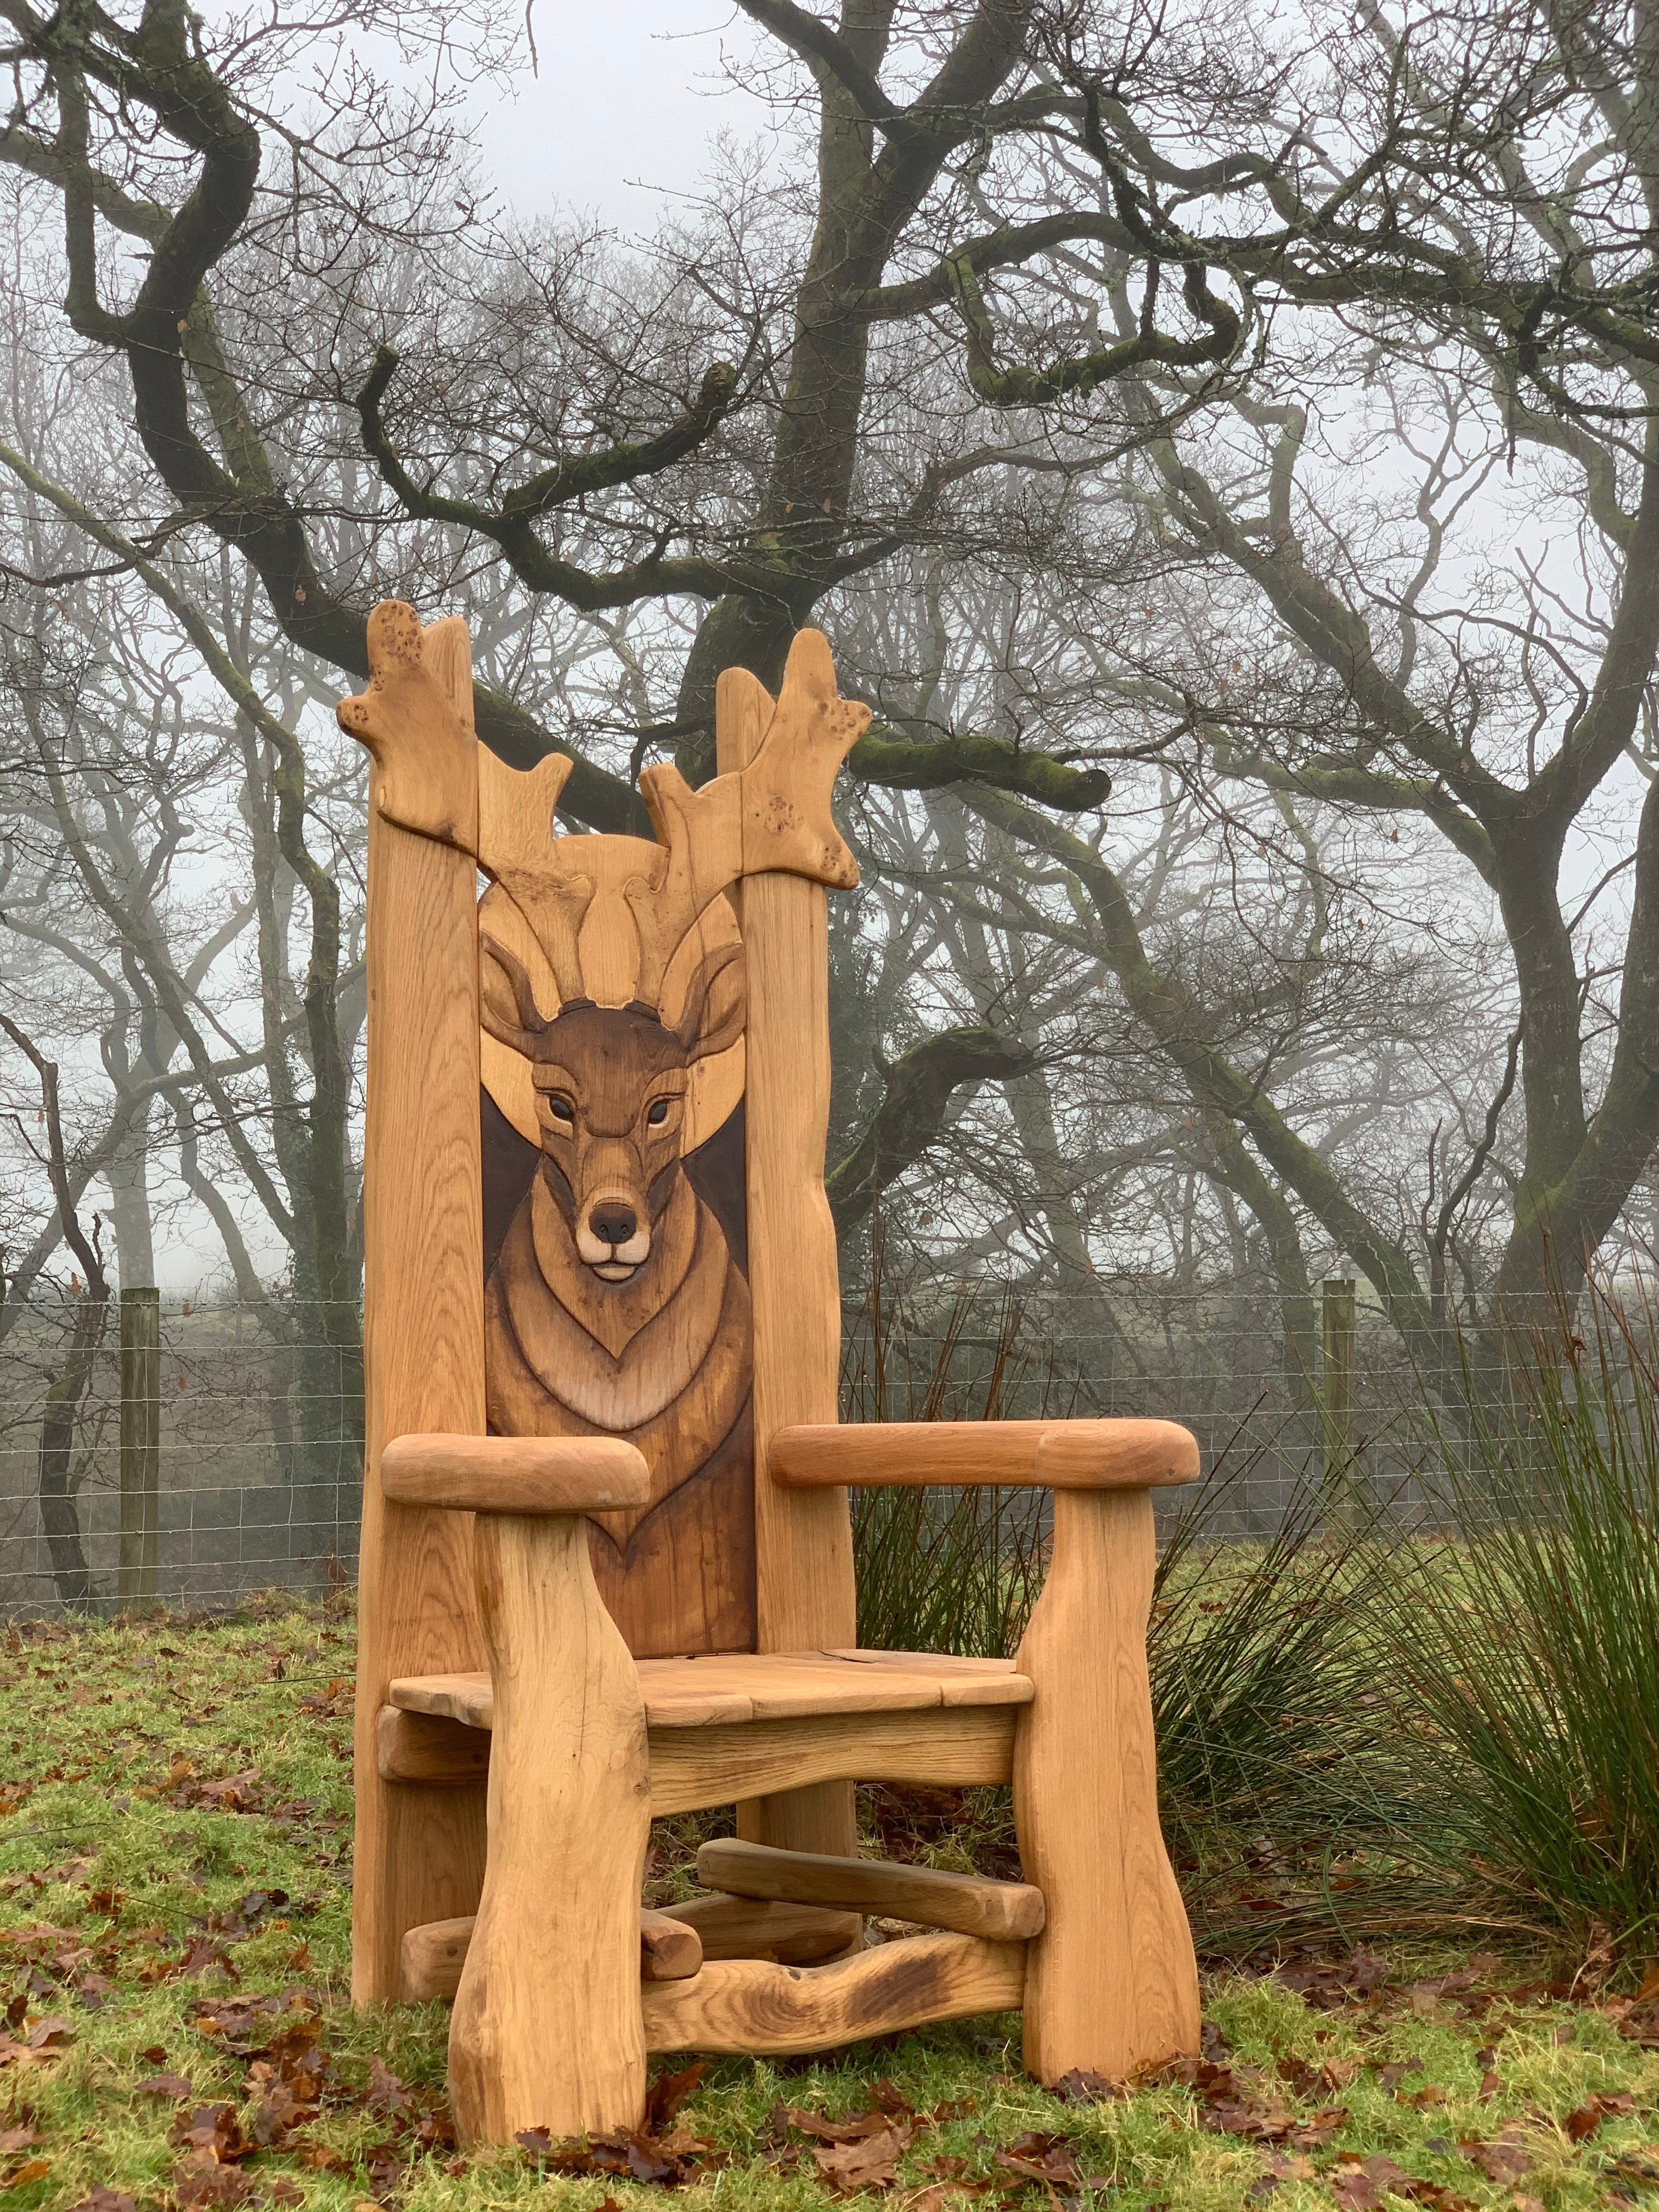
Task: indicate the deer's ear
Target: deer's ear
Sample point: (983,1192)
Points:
(716,1005)
(506,999)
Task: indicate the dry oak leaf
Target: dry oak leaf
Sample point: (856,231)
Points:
(1362,2186)
(175,2085)
(1506,2158)
(105,2200)
(1582,2125)
(1332,1984)
(869,2163)
(1049,2159)
(201,2184)
(1081,2087)
(210,2132)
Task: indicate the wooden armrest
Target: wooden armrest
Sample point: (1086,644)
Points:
(1057,1454)
(516,1474)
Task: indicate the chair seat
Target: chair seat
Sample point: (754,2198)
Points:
(688,1694)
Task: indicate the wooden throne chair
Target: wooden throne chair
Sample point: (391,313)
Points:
(607,1558)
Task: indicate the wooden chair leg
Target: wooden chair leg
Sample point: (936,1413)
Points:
(547,2029)
(1111,1982)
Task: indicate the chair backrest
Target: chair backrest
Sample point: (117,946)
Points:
(596,1106)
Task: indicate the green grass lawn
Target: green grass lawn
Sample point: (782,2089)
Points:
(175,1866)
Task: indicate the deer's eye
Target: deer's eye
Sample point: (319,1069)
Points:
(562,1111)
(657,1113)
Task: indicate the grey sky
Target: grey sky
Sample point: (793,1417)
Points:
(627,97)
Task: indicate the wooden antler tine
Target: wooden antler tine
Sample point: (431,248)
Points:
(555,906)
(518,847)
(701,833)
(774,814)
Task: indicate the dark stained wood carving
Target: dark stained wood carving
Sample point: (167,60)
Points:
(612,998)
(616,1306)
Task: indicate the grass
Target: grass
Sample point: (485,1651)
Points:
(177,1848)
(1526,1651)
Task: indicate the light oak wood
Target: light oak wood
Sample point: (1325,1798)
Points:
(414,716)
(805,1598)
(701,1764)
(656,1377)
(545,2031)
(947,1746)
(420,1849)
(755,1928)
(431,1748)
(514,1474)
(746,2005)
(1001,1911)
(685,1694)
(1112,1983)
(1119,1455)
(433,1957)
(671,1950)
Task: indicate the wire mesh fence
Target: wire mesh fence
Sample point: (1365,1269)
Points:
(215,1448)
(243,1471)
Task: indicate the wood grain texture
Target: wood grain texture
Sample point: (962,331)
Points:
(946,1746)
(688,1694)
(546,2030)
(703,1763)
(420,1850)
(429,1748)
(805,1596)
(432,1957)
(1111,1982)
(1060,1454)
(758,1928)
(414,716)
(1001,1911)
(670,1951)
(514,1474)
(642,1334)
(747,2005)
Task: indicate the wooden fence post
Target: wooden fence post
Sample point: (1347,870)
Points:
(1337,1307)
(141,1444)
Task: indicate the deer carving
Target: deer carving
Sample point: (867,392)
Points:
(616,1304)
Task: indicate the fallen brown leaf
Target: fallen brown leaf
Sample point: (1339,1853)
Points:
(200,2182)
(1506,2158)
(869,2163)
(163,2085)
(1361,2186)
(1582,2125)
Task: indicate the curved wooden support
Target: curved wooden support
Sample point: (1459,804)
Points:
(1111,1982)
(749,2005)
(546,2031)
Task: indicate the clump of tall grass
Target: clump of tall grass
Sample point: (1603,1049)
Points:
(1263,1667)
(954,1570)
(1524,1650)
(1272,1739)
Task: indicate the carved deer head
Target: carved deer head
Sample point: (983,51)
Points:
(610,1081)
(611,1086)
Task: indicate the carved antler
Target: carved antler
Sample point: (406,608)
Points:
(517,846)
(773,814)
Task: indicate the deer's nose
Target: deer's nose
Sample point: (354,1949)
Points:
(612,1224)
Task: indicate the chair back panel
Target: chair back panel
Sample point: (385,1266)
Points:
(655,1070)
(613,1126)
